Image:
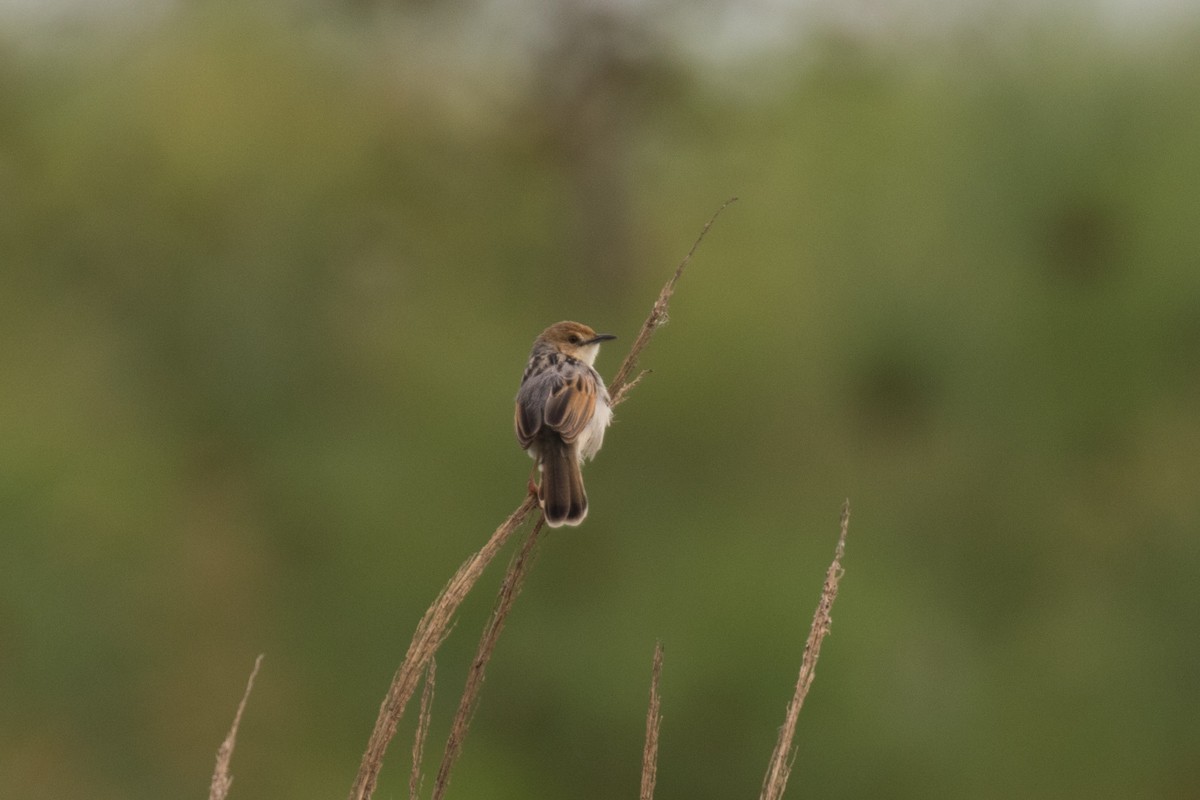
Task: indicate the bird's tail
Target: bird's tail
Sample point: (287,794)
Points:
(563,499)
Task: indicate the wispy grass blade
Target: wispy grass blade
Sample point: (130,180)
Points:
(780,766)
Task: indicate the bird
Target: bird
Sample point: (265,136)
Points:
(562,409)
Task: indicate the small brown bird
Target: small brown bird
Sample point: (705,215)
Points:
(562,411)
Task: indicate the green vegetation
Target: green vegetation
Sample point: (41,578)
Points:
(269,284)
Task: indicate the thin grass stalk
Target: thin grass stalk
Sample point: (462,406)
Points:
(653,723)
(510,588)
(431,632)
(222,778)
(620,385)
(424,716)
(784,755)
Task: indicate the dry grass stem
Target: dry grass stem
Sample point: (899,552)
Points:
(620,385)
(423,718)
(653,722)
(430,633)
(222,778)
(509,589)
(781,759)
(434,625)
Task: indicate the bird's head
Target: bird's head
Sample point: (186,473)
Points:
(575,339)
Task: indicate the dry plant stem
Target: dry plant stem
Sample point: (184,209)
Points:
(430,633)
(509,589)
(423,718)
(781,760)
(222,778)
(653,722)
(620,385)
(433,627)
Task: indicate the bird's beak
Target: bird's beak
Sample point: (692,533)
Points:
(600,337)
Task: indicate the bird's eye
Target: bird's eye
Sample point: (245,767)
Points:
(574,338)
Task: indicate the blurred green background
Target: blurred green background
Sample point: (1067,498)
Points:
(269,282)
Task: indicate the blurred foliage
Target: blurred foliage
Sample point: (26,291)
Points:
(270,281)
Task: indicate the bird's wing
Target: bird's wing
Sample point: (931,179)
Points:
(571,403)
(528,416)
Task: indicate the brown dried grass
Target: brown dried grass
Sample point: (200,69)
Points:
(784,755)
(653,723)
(431,632)
(509,589)
(434,625)
(424,717)
(222,778)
